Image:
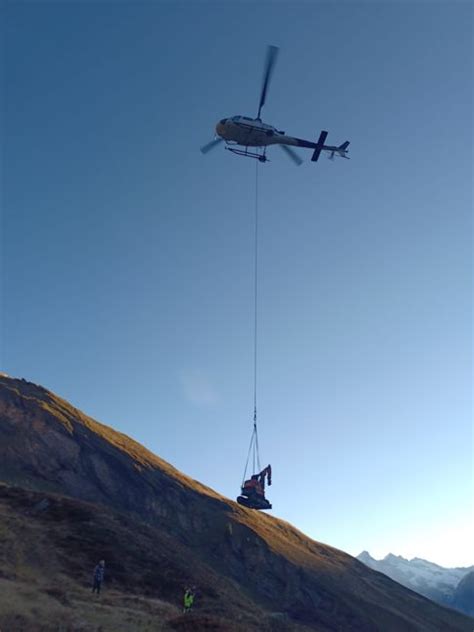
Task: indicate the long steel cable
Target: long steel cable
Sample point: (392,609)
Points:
(254,437)
(255,329)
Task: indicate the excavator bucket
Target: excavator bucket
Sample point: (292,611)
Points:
(254,502)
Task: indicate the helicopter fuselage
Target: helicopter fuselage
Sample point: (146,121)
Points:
(242,134)
(249,132)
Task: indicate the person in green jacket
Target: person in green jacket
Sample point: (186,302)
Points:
(188,599)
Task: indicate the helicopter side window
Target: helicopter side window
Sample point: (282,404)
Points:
(236,119)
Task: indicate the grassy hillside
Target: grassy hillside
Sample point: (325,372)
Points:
(49,546)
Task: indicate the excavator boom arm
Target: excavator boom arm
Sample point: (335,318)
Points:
(268,473)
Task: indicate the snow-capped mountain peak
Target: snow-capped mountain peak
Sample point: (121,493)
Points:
(428,579)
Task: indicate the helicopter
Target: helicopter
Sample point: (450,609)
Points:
(250,137)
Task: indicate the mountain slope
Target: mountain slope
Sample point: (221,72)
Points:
(428,579)
(50,544)
(463,598)
(49,446)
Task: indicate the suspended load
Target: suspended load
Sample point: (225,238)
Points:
(253,490)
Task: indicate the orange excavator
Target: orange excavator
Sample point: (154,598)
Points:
(253,490)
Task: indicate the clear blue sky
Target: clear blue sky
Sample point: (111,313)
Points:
(127,255)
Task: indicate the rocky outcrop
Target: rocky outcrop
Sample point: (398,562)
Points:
(48,445)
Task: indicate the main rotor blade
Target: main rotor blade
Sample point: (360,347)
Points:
(272,53)
(211,145)
(292,154)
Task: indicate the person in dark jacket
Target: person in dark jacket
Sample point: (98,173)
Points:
(98,577)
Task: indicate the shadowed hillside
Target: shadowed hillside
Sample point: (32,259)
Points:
(49,545)
(464,594)
(244,561)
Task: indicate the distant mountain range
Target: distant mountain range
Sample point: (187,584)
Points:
(453,587)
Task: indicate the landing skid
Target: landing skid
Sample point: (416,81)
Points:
(249,154)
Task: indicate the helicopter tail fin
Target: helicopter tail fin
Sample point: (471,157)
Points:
(342,150)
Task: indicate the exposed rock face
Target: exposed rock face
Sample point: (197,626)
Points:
(48,445)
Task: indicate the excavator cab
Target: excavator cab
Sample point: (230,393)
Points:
(253,490)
